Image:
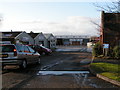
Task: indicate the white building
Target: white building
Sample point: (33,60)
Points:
(51,40)
(24,38)
(39,39)
(72,39)
(16,37)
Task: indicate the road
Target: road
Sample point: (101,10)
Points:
(59,70)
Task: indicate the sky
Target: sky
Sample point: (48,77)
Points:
(59,18)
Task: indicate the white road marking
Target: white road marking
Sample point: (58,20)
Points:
(60,72)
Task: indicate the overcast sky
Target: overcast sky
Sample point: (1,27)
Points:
(59,18)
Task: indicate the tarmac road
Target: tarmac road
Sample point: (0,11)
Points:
(60,70)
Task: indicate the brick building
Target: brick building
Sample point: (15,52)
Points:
(110,29)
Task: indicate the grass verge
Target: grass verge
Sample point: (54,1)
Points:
(111,71)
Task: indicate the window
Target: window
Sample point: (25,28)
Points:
(20,48)
(53,44)
(31,50)
(7,48)
(26,49)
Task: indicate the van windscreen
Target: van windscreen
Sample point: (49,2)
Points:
(7,48)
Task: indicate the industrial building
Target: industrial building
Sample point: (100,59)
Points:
(72,40)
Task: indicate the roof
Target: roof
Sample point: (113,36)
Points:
(72,36)
(47,35)
(33,35)
(11,34)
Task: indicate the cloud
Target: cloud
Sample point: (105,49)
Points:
(75,25)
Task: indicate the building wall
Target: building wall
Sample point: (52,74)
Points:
(76,41)
(110,29)
(51,41)
(40,39)
(25,38)
(66,42)
(95,39)
(7,40)
(72,40)
(59,41)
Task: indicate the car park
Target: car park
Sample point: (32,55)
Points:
(20,55)
(41,49)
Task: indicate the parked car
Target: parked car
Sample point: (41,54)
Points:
(41,49)
(18,55)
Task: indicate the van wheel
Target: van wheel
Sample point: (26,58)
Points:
(23,65)
(39,61)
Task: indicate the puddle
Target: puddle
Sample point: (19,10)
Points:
(94,85)
(61,72)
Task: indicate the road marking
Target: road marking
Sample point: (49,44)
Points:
(51,65)
(59,61)
(60,72)
(60,50)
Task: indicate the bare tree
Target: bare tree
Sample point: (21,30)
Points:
(98,28)
(109,27)
(109,7)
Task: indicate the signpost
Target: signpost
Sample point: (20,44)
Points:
(105,49)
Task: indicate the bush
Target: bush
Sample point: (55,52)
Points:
(97,49)
(116,52)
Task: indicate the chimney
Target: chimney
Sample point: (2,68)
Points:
(31,32)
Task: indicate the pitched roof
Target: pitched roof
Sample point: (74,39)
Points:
(33,35)
(11,34)
(47,35)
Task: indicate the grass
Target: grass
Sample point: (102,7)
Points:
(114,76)
(111,71)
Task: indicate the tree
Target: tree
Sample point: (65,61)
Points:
(110,22)
(109,7)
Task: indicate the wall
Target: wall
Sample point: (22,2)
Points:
(110,28)
(24,37)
